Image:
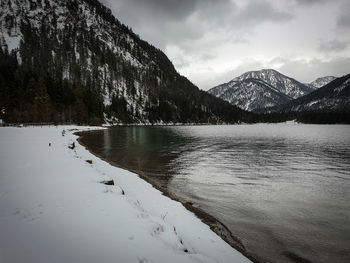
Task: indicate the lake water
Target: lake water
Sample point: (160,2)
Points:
(283,189)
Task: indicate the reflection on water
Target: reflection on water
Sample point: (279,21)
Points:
(283,189)
(144,150)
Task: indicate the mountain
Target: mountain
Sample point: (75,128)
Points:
(251,94)
(74,61)
(282,83)
(320,82)
(333,97)
(256,90)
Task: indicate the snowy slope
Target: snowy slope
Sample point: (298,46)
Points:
(55,209)
(320,82)
(334,96)
(282,83)
(251,94)
(269,88)
(57,18)
(82,51)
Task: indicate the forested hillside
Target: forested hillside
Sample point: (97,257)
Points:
(74,61)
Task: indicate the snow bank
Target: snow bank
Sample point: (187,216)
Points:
(54,208)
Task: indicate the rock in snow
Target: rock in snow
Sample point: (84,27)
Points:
(55,209)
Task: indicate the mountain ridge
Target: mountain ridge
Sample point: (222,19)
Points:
(334,96)
(77,62)
(320,82)
(263,93)
(287,89)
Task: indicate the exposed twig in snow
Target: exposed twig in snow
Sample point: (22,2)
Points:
(108,182)
(163,216)
(72,146)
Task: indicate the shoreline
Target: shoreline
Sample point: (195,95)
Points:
(65,205)
(214,224)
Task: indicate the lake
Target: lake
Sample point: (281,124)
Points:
(282,189)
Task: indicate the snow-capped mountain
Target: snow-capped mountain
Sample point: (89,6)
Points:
(334,96)
(282,83)
(320,82)
(73,60)
(251,94)
(256,90)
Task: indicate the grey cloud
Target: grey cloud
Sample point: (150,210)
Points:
(333,46)
(232,24)
(159,21)
(206,57)
(191,32)
(228,15)
(172,21)
(181,63)
(343,20)
(307,71)
(215,13)
(245,66)
(213,79)
(167,9)
(302,70)
(310,2)
(262,11)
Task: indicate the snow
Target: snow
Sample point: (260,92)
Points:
(343,86)
(312,103)
(109,33)
(280,82)
(54,208)
(256,90)
(12,42)
(292,122)
(320,82)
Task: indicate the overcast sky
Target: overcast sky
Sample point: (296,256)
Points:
(213,41)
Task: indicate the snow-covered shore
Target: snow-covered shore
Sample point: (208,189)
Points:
(54,208)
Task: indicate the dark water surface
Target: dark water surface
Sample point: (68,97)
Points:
(283,189)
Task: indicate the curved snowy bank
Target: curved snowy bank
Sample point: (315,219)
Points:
(54,208)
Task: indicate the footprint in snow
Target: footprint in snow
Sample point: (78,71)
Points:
(144,260)
(108,190)
(142,215)
(26,215)
(142,212)
(157,230)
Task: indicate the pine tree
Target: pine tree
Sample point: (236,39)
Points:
(42,102)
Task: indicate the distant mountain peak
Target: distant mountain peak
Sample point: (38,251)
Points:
(320,82)
(334,96)
(256,90)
